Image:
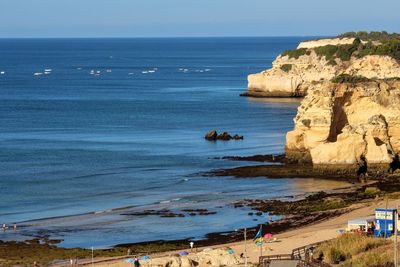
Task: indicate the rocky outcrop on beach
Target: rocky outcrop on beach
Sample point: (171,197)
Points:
(350,125)
(294,71)
(207,257)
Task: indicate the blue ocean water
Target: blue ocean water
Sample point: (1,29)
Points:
(94,128)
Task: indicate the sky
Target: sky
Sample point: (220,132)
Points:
(184,18)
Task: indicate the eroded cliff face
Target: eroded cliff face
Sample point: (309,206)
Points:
(292,76)
(352,125)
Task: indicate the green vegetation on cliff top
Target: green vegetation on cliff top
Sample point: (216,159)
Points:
(371,36)
(347,78)
(373,43)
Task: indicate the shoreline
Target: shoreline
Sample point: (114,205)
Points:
(311,209)
(287,240)
(289,222)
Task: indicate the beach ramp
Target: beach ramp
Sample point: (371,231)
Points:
(284,263)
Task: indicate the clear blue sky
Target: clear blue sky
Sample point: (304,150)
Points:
(149,18)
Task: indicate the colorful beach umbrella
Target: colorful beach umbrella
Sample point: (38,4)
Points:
(183,253)
(145,258)
(130,260)
(268,236)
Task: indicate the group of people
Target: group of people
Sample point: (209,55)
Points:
(5,227)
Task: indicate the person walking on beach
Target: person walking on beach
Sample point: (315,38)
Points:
(136,262)
(15,227)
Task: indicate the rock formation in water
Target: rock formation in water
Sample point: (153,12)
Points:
(294,71)
(224,136)
(348,124)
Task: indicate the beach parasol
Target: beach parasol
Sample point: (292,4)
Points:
(268,236)
(145,258)
(230,251)
(183,253)
(130,260)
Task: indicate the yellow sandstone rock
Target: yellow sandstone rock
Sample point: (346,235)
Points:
(347,124)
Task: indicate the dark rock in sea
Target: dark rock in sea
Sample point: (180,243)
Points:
(259,213)
(211,136)
(171,215)
(224,136)
(195,210)
(250,213)
(237,137)
(202,212)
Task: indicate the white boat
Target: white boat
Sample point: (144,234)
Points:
(48,70)
(109,71)
(2,72)
(38,73)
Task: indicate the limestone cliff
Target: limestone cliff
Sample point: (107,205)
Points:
(294,71)
(348,124)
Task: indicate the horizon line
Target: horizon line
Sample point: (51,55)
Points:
(166,37)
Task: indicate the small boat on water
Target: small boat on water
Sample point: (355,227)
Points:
(38,73)
(2,72)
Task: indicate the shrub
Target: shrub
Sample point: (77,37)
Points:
(371,36)
(336,255)
(328,51)
(375,258)
(386,48)
(348,245)
(286,67)
(372,191)
(343,53)
(347,78)
(332,62)
(295,53)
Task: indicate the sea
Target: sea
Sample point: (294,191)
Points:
(94,133)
